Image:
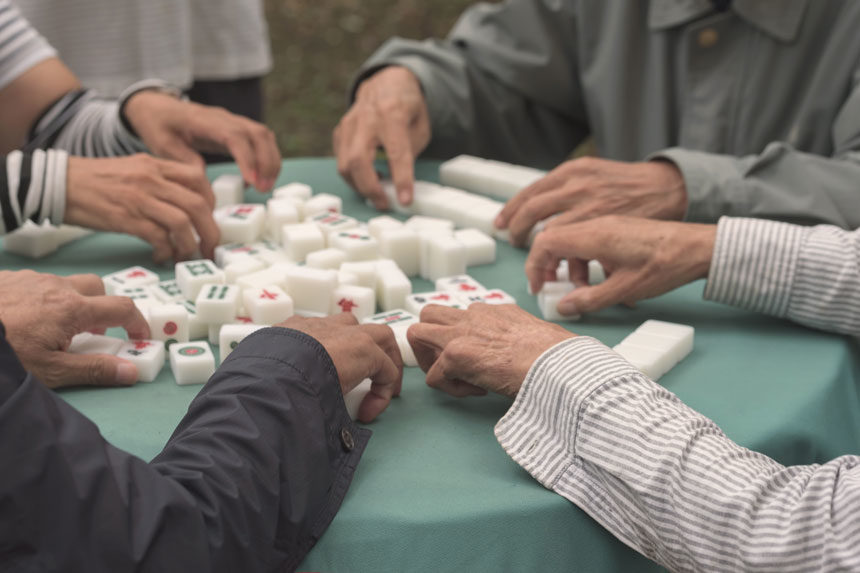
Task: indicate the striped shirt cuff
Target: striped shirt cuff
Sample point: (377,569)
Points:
(32,187)
(754,264)
(539,430)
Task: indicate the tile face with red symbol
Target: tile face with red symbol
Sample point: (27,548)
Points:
(147,355)
(333,222)
(415,302)
(192,362)
(132,277)
(168,323)
(461,284)
(240,223)
(358,245)
(267,305)
(494,296)
(359,300)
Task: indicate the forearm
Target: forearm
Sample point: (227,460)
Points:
(32,187)
(780,183)
(810,275)
(665,480)
(484,92)
(248,481)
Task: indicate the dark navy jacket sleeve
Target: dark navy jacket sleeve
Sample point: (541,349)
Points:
(249,481)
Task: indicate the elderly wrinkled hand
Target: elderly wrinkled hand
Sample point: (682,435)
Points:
(484,348)
(389,112)
(41,314)
(642,258)
(178,130)
(358,351)
(589,187)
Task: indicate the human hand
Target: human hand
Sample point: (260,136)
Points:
(358,351)
(642,258)
(389,111)
(487,347)
(43,312)
(588,187)
(158,200)
(177,129)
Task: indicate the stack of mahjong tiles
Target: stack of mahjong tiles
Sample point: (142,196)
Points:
(297,254)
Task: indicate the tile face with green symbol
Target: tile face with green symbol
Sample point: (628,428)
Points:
(232,334)
(192,362)
(218,303)
(167,291)
(143,297)
(399,321)
(192,275)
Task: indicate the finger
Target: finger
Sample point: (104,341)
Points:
(578,271)
(65,369)
(87,284)
(543,260)
(438,379)
(439,314)
(199,211)
(190,176)
(175,221)
(367,181)
(396,141)
(535,210)
(155,235)
(384,337)
(386,380)
(553,180)
(110,311)
(241,150)
(268,155)
(425,352)
(621,286)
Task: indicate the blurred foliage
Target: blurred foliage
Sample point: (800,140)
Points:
(317,48)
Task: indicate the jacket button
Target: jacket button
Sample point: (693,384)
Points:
(347,440)
(708,37)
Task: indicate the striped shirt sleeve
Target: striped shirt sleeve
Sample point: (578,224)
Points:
(32,186)
(21,47)
(666,481)
(810,275)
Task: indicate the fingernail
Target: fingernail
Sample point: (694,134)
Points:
(403,196)
(567,308)
(500,222)
(126,374)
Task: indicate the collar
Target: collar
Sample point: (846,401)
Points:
(778,18)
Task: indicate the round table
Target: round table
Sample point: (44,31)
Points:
(434,490)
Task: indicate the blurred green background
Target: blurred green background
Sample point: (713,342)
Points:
(318,46)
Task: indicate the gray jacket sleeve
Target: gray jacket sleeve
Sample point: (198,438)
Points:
(504,84)
(780,182)
(249,480)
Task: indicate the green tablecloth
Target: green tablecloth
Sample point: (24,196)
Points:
(435,492)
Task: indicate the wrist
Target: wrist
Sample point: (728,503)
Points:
(701,247)
(143,95)
(670,179)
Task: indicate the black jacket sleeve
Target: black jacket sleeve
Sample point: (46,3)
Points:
(249,480)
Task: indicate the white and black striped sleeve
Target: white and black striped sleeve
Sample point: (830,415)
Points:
(810,275)
(666,481)
(32,186)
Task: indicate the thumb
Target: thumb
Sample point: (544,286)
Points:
(90,370)
(617,288)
